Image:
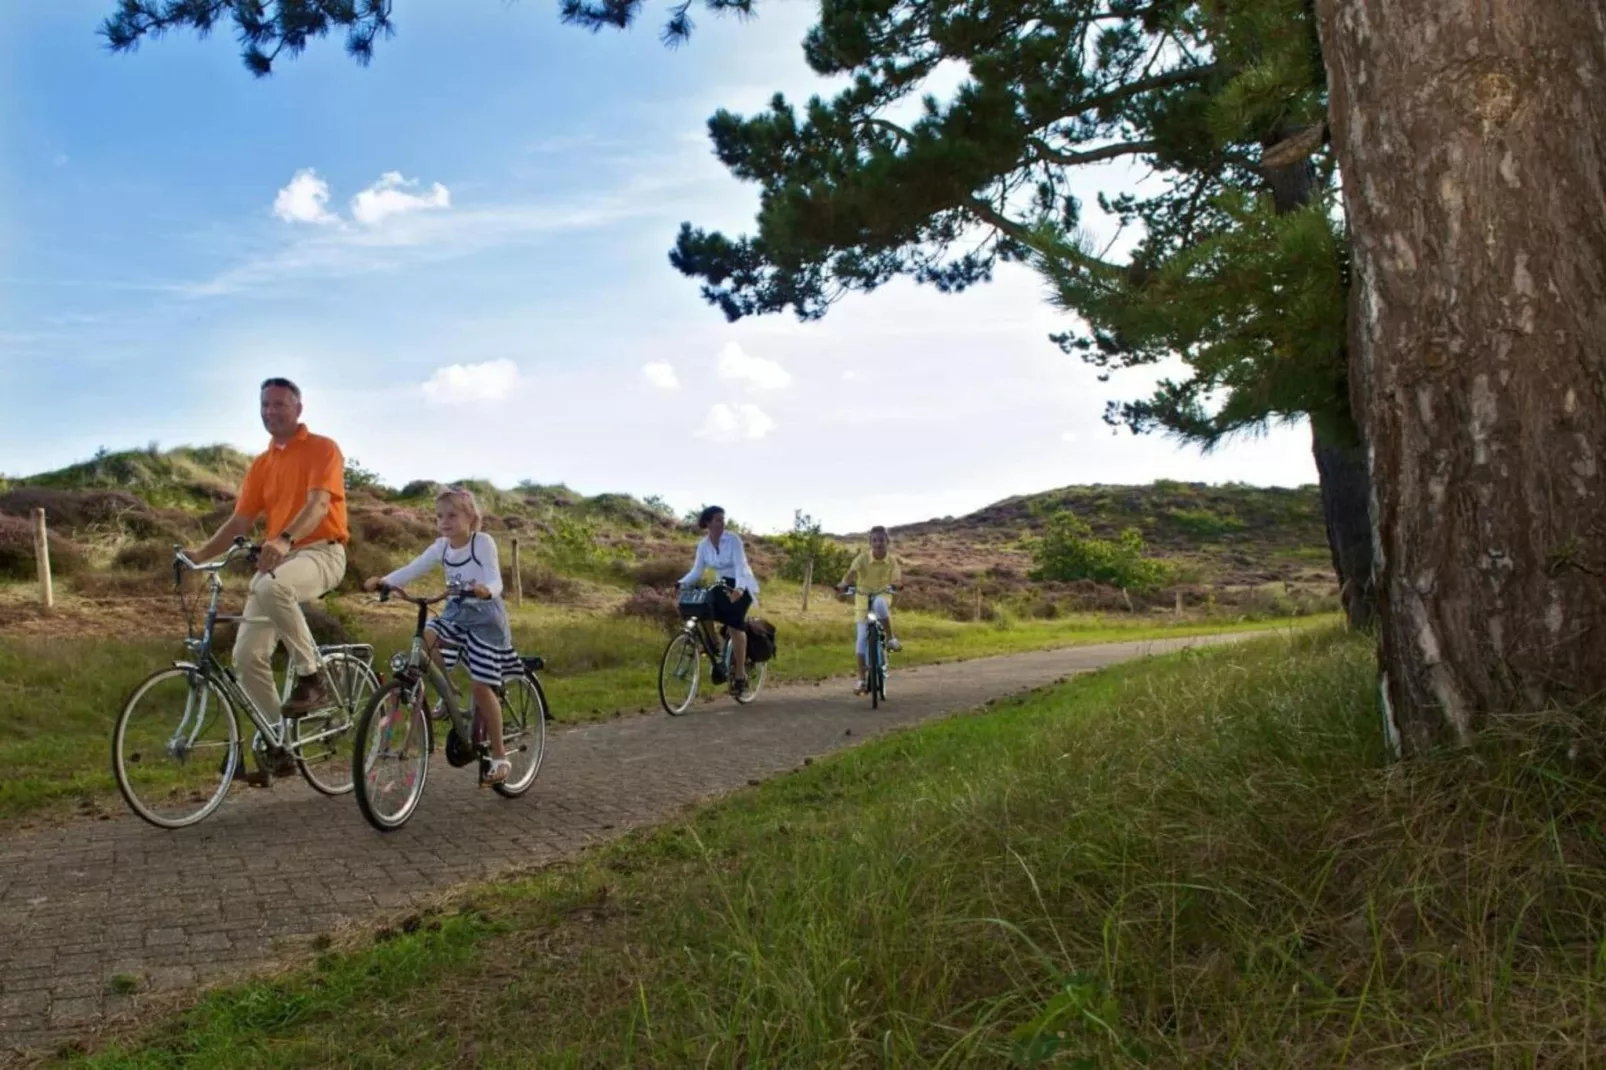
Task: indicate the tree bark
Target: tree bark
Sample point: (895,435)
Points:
(1346,497)
(1335,438)
(1472,139)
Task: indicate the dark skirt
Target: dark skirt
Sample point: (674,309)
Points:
(732,613)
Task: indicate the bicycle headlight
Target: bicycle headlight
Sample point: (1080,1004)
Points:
(398,662)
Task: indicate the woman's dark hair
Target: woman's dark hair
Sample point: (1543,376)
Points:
(707,515)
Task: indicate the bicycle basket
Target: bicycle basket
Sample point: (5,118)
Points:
(693,602)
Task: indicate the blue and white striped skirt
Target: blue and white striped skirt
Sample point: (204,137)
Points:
(478,632)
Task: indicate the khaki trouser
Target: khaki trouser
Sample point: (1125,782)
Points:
(303,576)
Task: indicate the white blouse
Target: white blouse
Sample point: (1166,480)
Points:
(467,565)
(728,559)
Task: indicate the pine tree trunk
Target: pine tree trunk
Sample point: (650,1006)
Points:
(1346,495)
(1335,440)
(1472,139)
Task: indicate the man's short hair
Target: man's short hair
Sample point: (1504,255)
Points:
(878,530)
(282,384)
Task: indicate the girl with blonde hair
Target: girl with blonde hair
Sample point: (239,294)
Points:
(474,624)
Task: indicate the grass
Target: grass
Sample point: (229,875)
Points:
(63,695)
(1198,861)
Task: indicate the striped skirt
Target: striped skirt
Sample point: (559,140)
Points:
(478,633)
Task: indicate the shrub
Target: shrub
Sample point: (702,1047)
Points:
(393,529)
(16,552)
(652,604)
(144,557)
(807,542)
(660,572)
(1202,523)
(75,510)
(1068,551)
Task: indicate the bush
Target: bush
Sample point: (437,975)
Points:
(1067,551)
(75,510)
(652,604)
(393,529)
(660,572)
(807,542)
(1202,523)
(144,557)
(16,552)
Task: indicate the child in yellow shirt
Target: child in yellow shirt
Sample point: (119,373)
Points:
(874,570)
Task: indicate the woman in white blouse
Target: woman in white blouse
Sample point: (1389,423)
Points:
(735,588)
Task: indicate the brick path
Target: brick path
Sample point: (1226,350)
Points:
(253,885)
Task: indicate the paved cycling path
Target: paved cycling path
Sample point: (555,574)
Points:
(255,884)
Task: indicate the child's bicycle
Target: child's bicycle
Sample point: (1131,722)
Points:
(875,655)
(176,745)
(396,735)
(680,671)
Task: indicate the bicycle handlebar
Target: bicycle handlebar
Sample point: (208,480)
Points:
(852,589)
(453,590)
(182,561)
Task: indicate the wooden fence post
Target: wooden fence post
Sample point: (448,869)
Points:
(978,601)
(808,583)
(518,581)
(1179,604)
(41,554)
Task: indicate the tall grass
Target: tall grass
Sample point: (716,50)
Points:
(1203,861)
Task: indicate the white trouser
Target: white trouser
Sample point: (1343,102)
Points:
(861,643)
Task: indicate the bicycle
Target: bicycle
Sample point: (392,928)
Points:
(398,725)
(875,659)
(683,658)
(211,701)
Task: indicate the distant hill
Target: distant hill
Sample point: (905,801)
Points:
(122,511)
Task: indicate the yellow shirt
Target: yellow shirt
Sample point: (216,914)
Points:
(873,575)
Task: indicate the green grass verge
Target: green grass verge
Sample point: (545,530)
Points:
(1198,861)
(61,697)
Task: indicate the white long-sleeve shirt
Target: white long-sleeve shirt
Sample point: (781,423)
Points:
(729,559)
(474,563)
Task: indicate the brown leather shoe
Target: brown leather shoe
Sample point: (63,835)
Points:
(309,693)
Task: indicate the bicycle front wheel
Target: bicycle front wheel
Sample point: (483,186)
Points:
(524,717)
(322,740)
(390,754)
(678,674)
(175,747)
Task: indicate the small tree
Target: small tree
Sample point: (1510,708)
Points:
(360,478)
(808,542)
(1068,551)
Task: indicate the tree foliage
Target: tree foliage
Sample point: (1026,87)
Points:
(807,542)
(1068,551)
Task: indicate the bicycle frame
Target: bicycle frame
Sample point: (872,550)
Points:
(206,664)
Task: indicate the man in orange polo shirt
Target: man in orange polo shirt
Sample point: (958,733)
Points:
(299,485)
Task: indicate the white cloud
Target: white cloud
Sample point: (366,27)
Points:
(390,197)
(661,373)
(756,372)
(462,384)
(1068,436)
(304,200)
(732,423)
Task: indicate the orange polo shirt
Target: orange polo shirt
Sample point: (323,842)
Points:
(278,481)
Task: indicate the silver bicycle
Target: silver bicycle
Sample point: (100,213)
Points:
(396,734)
(176,745)
(680,669)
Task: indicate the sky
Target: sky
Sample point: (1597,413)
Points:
(460,252)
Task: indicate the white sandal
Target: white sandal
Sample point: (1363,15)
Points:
(500,769)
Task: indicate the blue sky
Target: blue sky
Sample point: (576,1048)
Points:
(459,252)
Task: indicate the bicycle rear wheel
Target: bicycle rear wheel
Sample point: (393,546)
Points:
(325,761)
(524,717)
(756,672)
(678,674)
(390,754)
(175,747)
